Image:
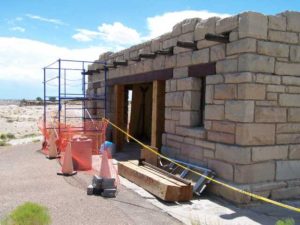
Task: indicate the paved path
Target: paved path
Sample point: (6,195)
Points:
(25,175)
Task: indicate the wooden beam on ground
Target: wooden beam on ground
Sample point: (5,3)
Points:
(119,95)
(160,185)
(149,156)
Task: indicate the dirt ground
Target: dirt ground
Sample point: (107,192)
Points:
(26,175)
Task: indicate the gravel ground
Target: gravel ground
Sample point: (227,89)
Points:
(26,175)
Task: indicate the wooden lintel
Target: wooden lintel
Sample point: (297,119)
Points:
(202,70)
(164,74)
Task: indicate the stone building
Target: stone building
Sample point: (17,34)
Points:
(223,93)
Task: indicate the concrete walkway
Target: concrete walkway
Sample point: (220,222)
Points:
(26,175)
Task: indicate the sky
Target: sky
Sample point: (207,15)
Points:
(34,33)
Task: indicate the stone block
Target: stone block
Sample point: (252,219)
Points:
(222,169)
(230,194)
(239,111)
(217,52)
(227,24)
(220,137)
(254,173)
(293,19)
(200,56)
(214,79)
(287,170)
(268,79)
(233,154)
(209,94)
(207,125)
(159,62)
(206,44)
(295,53)
(282,36)
(170,61)
(289,80)
(233,36)
(276,88)
(294,152)
(277,23)
(156,45)
(180,72)
(289,100)
(272,49)
(294,115)
(173,86)
(189,25)
(293,90)
(241,46)
(170,126)
(191,100)
(254,25)
(272,96)
(214,112)
(208,154)
(283,68)
(188,37)
(286,193)
(184,59)
(189,118)
(223,126)
(176,31)
(252,91)
(174,99)
(288,138)
(205,144)
(227,66)
(174,144)
(239,78)
(189,140)
(225,91)
(265,153)
(168,113)
(256,63)
(174,137)
(288,128)
(255,134)
(193,132)
(169,43)
(205,26)
(189,84)
(175,114)
(270,114)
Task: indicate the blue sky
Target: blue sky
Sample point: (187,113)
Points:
(34,33)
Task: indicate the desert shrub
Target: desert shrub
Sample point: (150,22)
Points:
(287,221)
(28,213)
(10,136)
(52,99)
(39,99)
(3,143)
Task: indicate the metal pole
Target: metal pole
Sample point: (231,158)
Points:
(59,100)
(105,88)
(44,101)
(83,91)
(65,94)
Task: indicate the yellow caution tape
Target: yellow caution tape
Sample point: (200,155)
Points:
(264,199)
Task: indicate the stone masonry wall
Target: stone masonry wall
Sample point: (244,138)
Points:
(251,132)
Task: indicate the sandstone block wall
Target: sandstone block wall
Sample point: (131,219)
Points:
(250,134)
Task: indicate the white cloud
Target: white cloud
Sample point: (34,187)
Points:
(161,24)
(19,29)
(22,60)
(43,19)
(85,35)
(117,34)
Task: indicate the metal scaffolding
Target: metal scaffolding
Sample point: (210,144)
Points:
(65,89)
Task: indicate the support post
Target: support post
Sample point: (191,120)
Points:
(119,93)
(158,103)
